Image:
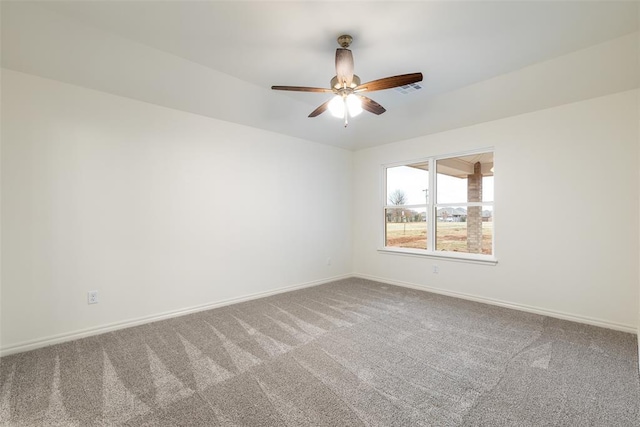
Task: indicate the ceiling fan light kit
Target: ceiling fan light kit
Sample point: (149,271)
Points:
(347,87)
(350,104)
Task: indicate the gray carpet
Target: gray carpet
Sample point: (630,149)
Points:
(348,353)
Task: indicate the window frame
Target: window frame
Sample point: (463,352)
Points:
(431,208)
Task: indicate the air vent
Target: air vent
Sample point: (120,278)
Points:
(406,89)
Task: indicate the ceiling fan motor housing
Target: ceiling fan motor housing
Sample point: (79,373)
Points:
(335,84)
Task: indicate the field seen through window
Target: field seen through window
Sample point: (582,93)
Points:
(450,236)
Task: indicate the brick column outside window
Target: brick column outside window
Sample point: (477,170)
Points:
(474,213)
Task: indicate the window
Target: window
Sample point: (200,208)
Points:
(441,206)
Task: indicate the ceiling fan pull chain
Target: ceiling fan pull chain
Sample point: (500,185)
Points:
(346,112)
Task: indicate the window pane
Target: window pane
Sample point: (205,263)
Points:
(406,228)
(465,179)
(487,188)
(407,185)
(465,229)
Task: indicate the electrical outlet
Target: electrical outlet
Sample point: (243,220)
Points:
(328,261)
(436,269)
(92,297)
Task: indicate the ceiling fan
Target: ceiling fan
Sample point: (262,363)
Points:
(348,101)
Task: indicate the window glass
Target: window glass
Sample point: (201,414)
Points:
(454,175)
(406,228)
(407,185)
(456,232)
(461,206)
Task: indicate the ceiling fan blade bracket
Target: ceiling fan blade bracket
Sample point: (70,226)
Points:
(302,89)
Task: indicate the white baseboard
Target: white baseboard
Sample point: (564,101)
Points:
(521,307)
(83,333)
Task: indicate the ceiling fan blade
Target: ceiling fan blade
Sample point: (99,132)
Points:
(390,82)
(321,109)
(344,67)
(302,89)
(371,106)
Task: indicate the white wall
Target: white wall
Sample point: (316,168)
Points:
(161,210)
(566,201)
(158,210)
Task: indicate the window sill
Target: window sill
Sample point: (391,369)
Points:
(448,256)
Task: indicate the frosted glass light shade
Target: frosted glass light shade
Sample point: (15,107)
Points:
(336,107)
(354,105)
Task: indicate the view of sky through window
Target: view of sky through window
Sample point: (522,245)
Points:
(413,182)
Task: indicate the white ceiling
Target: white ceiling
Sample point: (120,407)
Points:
(481,60)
